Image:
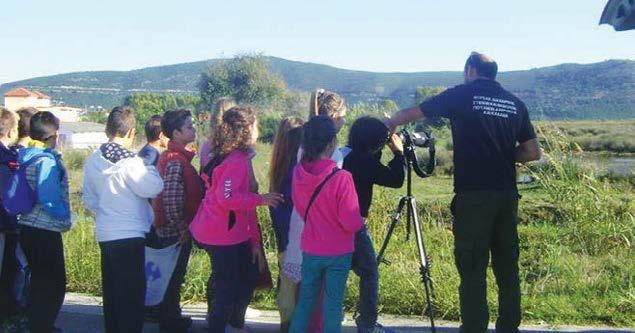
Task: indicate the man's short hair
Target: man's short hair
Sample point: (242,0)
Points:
(484,65)
(153,128)
(44,125)
(173,120)
(120,121)
(24,122)
(7,121)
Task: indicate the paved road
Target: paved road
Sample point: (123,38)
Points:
(83,314)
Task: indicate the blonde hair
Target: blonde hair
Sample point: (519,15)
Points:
(222,105)
(324,102)
(285,148)
(234,131)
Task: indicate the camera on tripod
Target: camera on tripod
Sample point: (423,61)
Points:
(412,141)
(407,206)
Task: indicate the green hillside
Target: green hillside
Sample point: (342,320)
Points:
(604,90)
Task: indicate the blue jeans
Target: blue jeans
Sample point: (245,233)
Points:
(365,266)
(233,281)
(332,272)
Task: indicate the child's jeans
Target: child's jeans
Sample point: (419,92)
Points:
(332,272)
(234,281)
(364,265)
(287,299)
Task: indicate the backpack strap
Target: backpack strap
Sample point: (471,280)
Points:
(317,191)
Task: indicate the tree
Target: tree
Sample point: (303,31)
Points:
(423,93)
(148,104)
(246,78)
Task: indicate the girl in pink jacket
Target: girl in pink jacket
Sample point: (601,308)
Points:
(226,225)
(325,197)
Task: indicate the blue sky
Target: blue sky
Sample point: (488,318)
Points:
(49,37)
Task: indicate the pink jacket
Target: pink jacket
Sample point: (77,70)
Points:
(227,215)
(334,216)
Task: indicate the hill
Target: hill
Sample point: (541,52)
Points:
(604,90)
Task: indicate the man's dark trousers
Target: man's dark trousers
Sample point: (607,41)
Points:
(486,221)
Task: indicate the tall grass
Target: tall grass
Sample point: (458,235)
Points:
(576,234)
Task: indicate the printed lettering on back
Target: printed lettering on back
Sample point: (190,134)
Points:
(492,106)
(227,189)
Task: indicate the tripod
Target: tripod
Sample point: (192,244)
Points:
(409,203)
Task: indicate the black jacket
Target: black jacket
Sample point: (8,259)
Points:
(367,171)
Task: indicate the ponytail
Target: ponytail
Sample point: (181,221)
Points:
(326,103)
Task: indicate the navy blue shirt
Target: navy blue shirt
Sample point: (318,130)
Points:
(281,215)
(149,155)
(487,123)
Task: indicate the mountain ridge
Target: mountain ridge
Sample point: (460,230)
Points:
(564,91)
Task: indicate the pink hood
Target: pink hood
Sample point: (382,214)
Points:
(334,216)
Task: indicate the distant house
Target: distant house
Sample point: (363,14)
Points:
(81,135)
(21,97)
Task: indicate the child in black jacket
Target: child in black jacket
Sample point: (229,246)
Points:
(366,139)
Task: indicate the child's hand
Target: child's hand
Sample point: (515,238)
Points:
(272,199)
(395,144)
(258,258)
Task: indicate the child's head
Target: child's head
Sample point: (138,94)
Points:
(8,125)
(24,123)
(44,126)
(153,131)
(237,131)
(121,124)
(320,138)
(177,125)
(220,107)
(328,103)
(368,135)
(285,147)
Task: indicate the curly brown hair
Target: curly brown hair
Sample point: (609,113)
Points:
(234,132)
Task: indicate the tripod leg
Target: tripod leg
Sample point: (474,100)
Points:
(423,261)
(391,228)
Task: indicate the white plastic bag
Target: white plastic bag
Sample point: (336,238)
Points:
(159,267)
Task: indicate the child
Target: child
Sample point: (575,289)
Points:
(332,105)
(367,137)
(283,160)
(24,122)
(157,142)
(8,223)
(175,208)
(325,195)
(221,106)
(41,229)
(117,186)
(226,225)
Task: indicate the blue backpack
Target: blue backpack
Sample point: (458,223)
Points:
(18,198)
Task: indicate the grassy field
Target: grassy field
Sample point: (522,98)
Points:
(576,230)
(609,136)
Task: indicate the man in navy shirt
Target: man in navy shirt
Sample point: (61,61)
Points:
(157,142)
(491,131)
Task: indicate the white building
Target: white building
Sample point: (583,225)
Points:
(21,97)
(81,135)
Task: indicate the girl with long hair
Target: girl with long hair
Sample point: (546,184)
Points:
(226,225)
